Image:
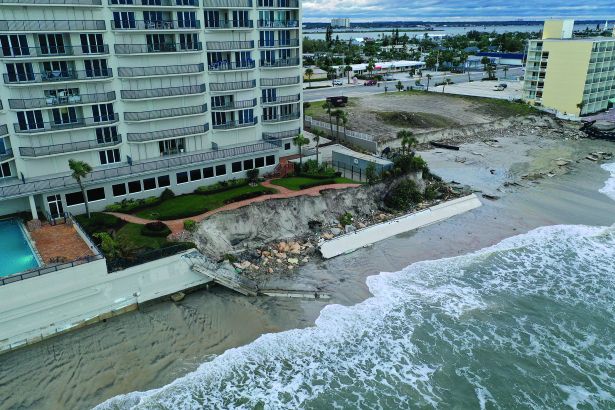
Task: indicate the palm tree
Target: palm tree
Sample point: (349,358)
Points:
(81,170)
(329,107)
(347,71)
(408,141)
(428,79)
(399,86)
(300,141)
(505,69)
(371,65)
(344,117)
(339,115)
(317,141)
(309,73)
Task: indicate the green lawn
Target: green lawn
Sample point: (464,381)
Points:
(130,239)
(186,206)
(294,183)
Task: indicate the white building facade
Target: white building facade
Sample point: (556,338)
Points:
(340,22)
(153,94)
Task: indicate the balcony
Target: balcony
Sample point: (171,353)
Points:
(232,86)
(153,3)
(129,49)
(227,4)
(40,127)
(281,100)
(120,25)
(232,65)
(276,136)
(278,4)
(229,45)
(57,76)
(55,101)
(165,113)
(282,118)
(53,52)
(6,154)
(228,24)
(276,82)
(233,125)
(47,150)
(129,72)
(293,42)
(70,3)
(166,134)
(162,92)
(287,62)
(37,26)
(278,23)
(235,105)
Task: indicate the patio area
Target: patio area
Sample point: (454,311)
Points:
(59,243)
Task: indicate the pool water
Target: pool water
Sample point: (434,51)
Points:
(16,254)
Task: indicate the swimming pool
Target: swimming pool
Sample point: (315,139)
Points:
(16,254)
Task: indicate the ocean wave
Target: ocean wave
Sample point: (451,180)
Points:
(527,322)
(609,185)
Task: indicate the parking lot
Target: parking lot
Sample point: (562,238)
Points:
(484,89)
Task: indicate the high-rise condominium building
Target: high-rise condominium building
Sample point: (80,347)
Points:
(570,75)
(340,22)
(153,94)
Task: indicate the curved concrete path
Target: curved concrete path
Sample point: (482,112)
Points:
(177,225)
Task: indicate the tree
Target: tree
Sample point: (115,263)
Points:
(399,86)
(81,170)
(371,65)
(329,108)
(317,141)
(252,176)
(110,247)
(309,73)
(371,174)
(347,71)
(300,141)
(428,80)
(340,115)
(580,106)
(329,36)
(485,61)
(505,69)
(408,141)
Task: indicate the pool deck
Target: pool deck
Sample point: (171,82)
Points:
(59,243)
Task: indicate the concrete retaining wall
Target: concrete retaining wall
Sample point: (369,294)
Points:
(375,233)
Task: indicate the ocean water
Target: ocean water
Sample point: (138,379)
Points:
(609,185)
(527,323)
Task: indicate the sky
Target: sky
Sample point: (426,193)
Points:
(456,10)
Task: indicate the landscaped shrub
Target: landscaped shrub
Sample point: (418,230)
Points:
(190,225)
(409,163)
(346,219)
(99,222)
(133,205)
(252,175)
(313,169)
(404,196)
(249,195)
(155,229)
(317,183)
(221,186)
(167,194)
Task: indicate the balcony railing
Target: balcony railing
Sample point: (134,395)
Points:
(281,99)
(157,48)
(33,152)
(33,128)
(162,92)
(232,65)
(51,76)
(287,62)
(165,134)
(282,118)
(278,4)
(231,125)
(55,2)
(235,105)
(155,25)
(160,70)
(155,3)
(51,25)
(55,51)
(230,86)
(225,4)
(291,42)
(6,154)
(30,187)
(4,130)
(165,113)
(53,101)
(278,23)
(229,45)
(275,82)
(273,136)
(228,24)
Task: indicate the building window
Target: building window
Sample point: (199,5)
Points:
(149,184)
(208,172)
(5,170)
(163,181)
(287,146)
(259,162)
(182,177)
(195,175)
(109,156)
(119,189)
(74,198)
(248,164)
(106,135)
(270,160)
(96,194)
(134,186)
(236,166)
(220,170)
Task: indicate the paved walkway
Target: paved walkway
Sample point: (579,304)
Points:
(177,225)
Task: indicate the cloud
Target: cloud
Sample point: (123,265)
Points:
(456,10)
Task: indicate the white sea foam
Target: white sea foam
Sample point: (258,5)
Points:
(431,328)
(609,185)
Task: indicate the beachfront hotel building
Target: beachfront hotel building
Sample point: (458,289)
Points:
(153,94)
(570,75)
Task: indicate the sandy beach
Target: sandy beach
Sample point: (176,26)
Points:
(152,347)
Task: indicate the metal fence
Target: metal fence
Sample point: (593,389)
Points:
(165,113)
(67,147)
(227,3)
(162,92)
(160,70)
(360,139)
(117,264)
(170,133)
(51,25)
(274,82)
(57,75)
(51,101)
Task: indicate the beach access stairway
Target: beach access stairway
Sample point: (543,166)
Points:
(224,275)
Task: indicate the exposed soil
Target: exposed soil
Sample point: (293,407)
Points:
(415,120)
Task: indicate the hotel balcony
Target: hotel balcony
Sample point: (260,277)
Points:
(154,3)
(278,23)
(142,137)
(228,24)
(277,82)
(57,76)
(293,42)
(282,118)
(135,49)
(227,4)
(235,105)
(162,92)
(41,127)
(276,136)
(232,86)
(39,26)
(160,71)
(165,113)
(229,45)
(68,3)
(162,25)
(57,101)
(54,52)
(233,125)
(57,149)
(221,66)
(281,100)
(278,4)
(287,62)
(6,154)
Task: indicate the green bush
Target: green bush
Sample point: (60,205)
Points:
(99,222)
(248,195)
(317,183)
(133,205)
(404,196)
(167,194)
(371,174)
(409,163)
(346,219)
(190,225)
(252,175)
(155,229)
(221,186)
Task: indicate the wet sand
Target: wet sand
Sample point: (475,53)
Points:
(152,347)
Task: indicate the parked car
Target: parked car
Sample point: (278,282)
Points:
(338,82)
(500,87)
(370,82)
(338,101)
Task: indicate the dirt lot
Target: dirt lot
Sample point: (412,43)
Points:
(383,115)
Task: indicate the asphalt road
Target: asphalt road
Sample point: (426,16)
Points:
(361,90)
